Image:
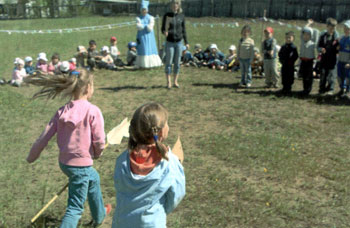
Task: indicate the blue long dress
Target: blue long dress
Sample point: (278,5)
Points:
(147,53)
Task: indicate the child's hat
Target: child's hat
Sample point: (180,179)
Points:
(347,23)
(232,48)
(64,67)
(42,56)
(105,48)
(197,46)
(256,50)
(113,38)
(132,44)
(81,49)
(73,60)
(307,30)
(28,59)
(212,46)
(269,29)
(18,61)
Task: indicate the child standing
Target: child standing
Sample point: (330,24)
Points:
(148,177)
(245,55)
(288,55)
(29,65)
(307,56)
(80,137)
(54,65)
(42,63)
(132,54)
(270,62)
(344,61)
(327,47)
(18,73)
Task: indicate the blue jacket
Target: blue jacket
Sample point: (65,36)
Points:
(144,201)
(29,69)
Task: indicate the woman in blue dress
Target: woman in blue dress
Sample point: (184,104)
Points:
(147,53)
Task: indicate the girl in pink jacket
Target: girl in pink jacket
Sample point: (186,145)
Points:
(80,137)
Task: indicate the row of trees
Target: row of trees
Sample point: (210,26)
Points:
(44,8)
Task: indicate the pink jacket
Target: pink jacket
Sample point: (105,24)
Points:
(42,67)
(80,134)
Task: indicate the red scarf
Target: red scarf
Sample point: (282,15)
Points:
(143,159)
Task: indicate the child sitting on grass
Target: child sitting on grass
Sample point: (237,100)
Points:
(42,65)
(93,56)
(80,56)
(132,54)
(72,64)
(199,56)
(54,65)
(231,62)
(257,64)
(216,58)
(107,61)
(29,65)
(114,49)
(81,139)
(148,177)
(187,57)
(18,73)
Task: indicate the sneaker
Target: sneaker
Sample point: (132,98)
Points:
(330,92)
(241,85)
(249,85)
(108,209)
(275,86)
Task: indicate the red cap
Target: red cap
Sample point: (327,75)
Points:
(269,29)
(113,38)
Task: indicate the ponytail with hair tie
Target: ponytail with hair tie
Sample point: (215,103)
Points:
(160,146)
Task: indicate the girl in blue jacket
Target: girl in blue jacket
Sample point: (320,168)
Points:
(149,178)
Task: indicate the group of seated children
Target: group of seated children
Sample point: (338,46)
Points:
(107,58)
(211,57)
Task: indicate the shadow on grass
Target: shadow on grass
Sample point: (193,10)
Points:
(218,85)
(119,88)
(49,221)
(321,100)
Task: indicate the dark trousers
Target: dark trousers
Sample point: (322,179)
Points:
(306,72)
(287,77)
(327,75)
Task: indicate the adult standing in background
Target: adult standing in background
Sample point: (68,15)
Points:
(173,27)
(147,53)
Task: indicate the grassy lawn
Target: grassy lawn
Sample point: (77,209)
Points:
(252,158)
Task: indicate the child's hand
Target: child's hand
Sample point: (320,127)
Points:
(323,50)
(166,34)
(347,66)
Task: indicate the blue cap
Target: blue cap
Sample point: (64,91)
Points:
(347,23)
(132,44)
(144,4)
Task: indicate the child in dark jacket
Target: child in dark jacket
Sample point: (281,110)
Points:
(288,55)
(327,47)
(199,56)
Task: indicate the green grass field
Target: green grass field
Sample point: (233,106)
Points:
(252,158)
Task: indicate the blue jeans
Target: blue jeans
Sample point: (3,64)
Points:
(173,56)
(246,68)
(343,76)
(84,182)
